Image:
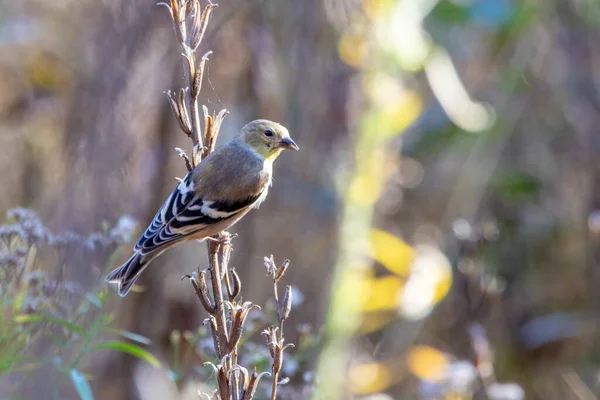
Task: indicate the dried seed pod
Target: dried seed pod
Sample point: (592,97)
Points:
(223,382)
(271,337)
(189,57)
(281,270)
(218,120)
(198,76)
(201,288)
(238,319)
(237,284)
(177,103)
(253,384)
(270,265)
(284,309)
(205,298)
(198,31)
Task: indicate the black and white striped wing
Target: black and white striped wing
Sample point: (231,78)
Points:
(185,214)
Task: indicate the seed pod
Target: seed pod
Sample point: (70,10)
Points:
(286,306)
(281,270)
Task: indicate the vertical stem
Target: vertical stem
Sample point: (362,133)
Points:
(196,130)
(189,62)
(279,341)
(274,388)
(215,271)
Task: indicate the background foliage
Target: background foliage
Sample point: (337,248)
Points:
(441,217)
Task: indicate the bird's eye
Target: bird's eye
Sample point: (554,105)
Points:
(268,132)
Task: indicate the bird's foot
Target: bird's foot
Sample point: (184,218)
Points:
(223,238)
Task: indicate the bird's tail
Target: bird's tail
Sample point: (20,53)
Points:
(126,275)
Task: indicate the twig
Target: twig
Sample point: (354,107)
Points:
(274,336)
(219,312)
(190,25)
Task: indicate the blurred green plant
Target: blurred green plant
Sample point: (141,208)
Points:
(47,319)
(384,42)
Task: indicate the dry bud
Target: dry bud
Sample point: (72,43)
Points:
(238,319)
(271,337)
(237,284)
(200,26)
(223,382)
(190,60)
(253,384)
(177,103)
(201,288)
(281,270)
(270,265)
(217,121)
(198,75)
(286,306)
(205,294)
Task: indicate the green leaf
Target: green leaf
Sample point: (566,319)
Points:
(449,12)
(129,349)
(131,336)
(81,385)
(38,318)
(95,300)
(516,185)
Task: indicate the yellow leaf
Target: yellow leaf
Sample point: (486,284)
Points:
(442,287)
(383,293)
(364,189)
(391,252)
(403,110)
(369,378)
(427,363)
(376,321)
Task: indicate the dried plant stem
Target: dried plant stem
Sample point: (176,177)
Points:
(190,25)
(226,317)
(219,310)
(275,338)
(279,339)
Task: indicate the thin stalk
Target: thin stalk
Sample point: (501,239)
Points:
(215,271)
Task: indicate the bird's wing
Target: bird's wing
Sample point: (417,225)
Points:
(199,203)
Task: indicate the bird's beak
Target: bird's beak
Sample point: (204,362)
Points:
(288,143)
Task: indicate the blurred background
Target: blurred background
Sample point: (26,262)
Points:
(442,217)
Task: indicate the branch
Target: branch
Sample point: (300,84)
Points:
(190,26)
(274,336)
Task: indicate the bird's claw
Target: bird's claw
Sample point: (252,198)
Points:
(223,238)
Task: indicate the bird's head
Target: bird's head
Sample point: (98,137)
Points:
(267,138)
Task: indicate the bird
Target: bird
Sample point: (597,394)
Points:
(213,196)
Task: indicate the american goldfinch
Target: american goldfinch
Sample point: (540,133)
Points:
(217,193)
